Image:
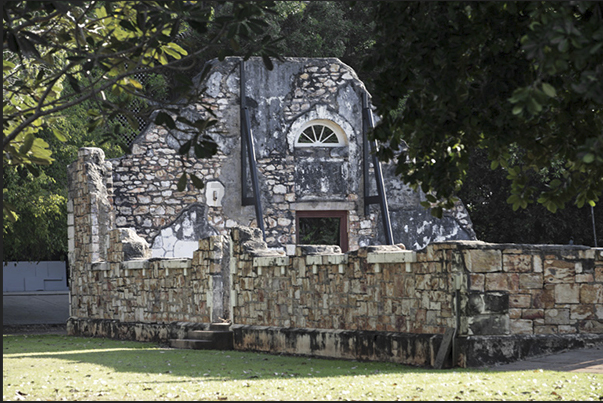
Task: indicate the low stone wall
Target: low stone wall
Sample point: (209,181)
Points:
(150,290)
(530,289)
(376,303)
(374,289)
(503,289)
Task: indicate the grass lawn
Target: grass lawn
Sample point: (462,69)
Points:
(54,367)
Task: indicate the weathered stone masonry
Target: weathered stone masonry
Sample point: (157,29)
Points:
(148,262)
(379,302)
(280,102)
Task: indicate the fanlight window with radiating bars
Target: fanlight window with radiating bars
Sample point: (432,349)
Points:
(321,134)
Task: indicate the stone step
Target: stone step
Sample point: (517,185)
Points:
(219,326)
(195,344)
(219,339)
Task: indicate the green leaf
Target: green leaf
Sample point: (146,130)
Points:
(27,143)
(533,106)
(164,118)
(33,169)
(517,109)
(555,183)
(59,135)
(267,62)
(185,148)
(9,211)
(127,25)
(588,158)
(181,182)
(7,66)
(197,183)
(549,90)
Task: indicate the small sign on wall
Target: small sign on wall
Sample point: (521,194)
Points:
(214,192)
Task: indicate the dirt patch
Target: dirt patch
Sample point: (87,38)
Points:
(35,329)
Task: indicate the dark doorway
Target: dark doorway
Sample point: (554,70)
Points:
(329,227)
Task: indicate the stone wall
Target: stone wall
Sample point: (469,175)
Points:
(503,289)
(377,288)
(531,289)
(280,102)
(380,302)
(144,290)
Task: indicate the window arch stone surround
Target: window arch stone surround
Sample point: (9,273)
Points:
(321,133)
(319,115)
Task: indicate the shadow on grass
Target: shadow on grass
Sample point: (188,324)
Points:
(212,365)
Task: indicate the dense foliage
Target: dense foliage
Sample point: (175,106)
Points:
(485,193)
(522,80)
(48,44)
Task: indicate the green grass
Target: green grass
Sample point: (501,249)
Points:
(53,367)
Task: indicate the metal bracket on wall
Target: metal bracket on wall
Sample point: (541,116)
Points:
(248,157)
(368,149)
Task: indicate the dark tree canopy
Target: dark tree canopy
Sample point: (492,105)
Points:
(522,80)
(98,49)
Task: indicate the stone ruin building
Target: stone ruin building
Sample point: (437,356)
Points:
(308,119)
(149,262)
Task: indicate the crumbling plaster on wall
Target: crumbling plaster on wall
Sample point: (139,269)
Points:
(181,238)
(280,102)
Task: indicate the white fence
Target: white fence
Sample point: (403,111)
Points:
(34,276)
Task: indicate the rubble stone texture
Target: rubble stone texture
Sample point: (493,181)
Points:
(280,102)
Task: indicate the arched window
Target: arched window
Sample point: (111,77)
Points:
(321,133)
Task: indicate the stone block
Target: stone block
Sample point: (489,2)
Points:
(544,298)
(517,263)
(537,264)
(599,274)
(521,326)
(557,316)
(497,282)
(559,271)
(530,280)
(591,293)
(580,312)
(489,325)
(520,301)
(567,329)
(477,282)
(545,329)
(532,314)
(483,261)
(567,293)
(515,313)
(591,326)
(585,278)
(496,302)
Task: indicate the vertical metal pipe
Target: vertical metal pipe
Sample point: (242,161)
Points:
(243,136)
(365,156)
(378,176)
(247,140)
(592,214)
